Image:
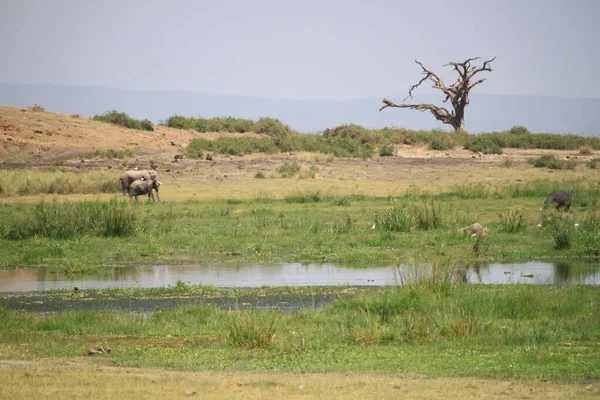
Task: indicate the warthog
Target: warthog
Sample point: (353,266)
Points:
(474,230)
(144,186)
(559,198)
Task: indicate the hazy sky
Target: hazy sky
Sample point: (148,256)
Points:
(317,50)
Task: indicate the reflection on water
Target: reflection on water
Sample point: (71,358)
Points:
(533,272)
(293,274)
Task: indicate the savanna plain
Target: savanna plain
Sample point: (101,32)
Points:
(255,191)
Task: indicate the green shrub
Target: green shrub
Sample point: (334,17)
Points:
(294,142)
(593,163)
(483,144)
(512,221)
(272,127)
(288,170)
(517,138)
(340,147)
(252,329)
(122,119)
(428,216)
(179,122)
(351,131)
(259,175)
(561,230)
(235,146)
(441,142)
(394,220)
(196,148)
(146,125)
(552,162)
(111,153)
(386,150)
(117,219)
(238,146)
(301,198)
(519,130)
(589,229)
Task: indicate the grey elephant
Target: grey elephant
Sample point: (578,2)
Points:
(129,176)
(559,198)
(144,186)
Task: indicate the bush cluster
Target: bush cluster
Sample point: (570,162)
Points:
(483,144)
(288,170)
(270,145)
(520,138)
(268,126)
(235,146)
(112,153)
(552,162)
(593,163)
(351,140)
(122,119)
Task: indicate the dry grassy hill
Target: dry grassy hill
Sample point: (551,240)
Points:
(48,136)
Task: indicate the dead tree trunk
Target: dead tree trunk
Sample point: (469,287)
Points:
(458,93)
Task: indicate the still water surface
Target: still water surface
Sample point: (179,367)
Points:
(293,274)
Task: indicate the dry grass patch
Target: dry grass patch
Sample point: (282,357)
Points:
(83,378)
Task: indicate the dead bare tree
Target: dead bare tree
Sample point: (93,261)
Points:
(458,93)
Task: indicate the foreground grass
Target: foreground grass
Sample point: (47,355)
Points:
(434,329)
(81,378)
(309,226)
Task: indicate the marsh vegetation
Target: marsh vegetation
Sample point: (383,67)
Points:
(432,327)
(308,226)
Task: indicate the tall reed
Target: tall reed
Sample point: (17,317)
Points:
(69,220)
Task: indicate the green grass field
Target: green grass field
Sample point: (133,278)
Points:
(431,328)
(306,226)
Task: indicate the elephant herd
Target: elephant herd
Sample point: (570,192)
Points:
(140,182)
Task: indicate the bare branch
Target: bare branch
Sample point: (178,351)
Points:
(440,113)
(472,85)
(458,93)
(484,67)
(462,67)
(438,83)
(413,87)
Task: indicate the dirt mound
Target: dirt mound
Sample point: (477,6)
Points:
(31,135)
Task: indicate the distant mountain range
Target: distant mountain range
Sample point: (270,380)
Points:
(485,113)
